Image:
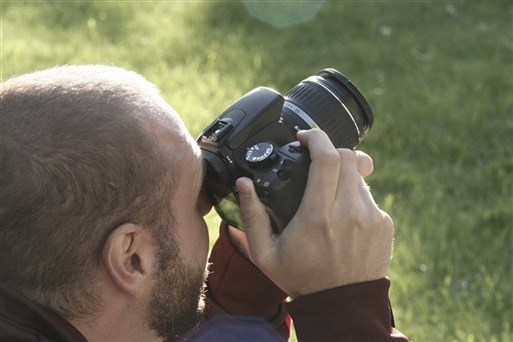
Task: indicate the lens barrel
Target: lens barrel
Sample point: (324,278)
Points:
(331,102)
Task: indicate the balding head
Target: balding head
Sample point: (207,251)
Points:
(78,159)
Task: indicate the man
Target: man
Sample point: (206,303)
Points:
(103,237)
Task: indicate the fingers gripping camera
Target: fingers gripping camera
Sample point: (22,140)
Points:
(255,138)
(279,177)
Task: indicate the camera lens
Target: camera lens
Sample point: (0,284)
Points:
(331,102)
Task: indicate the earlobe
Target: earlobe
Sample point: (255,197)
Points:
(128,256)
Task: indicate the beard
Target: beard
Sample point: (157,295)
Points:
(178,298)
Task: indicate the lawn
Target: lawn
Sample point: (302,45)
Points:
(438,75)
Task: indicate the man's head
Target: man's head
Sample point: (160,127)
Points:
(94,163)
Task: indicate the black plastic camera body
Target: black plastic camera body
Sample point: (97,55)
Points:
(255,138)
(249,139)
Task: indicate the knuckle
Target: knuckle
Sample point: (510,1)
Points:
(388,221)
(388,225)
(373,219)
(376,219)
(383,222)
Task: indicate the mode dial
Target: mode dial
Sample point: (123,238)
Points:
(261,154)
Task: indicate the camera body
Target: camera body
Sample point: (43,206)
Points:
(249,140)
(255,138)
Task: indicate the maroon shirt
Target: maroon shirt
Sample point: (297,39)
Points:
(357,312)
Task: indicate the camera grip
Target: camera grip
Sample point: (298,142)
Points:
(281,186)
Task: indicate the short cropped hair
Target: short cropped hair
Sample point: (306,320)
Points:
(76,162)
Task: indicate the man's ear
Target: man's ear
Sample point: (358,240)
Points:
(128,256)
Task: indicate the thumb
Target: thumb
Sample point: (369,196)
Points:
(255,219)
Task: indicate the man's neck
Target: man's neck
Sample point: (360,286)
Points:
(117,320)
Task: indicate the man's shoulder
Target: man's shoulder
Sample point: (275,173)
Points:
(23,320)
(13,331)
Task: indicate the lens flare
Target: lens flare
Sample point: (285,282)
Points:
(282,14)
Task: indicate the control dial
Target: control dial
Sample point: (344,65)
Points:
(261,154)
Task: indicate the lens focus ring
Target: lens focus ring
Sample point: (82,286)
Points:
(327,111)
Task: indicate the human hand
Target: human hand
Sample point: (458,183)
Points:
(338,236)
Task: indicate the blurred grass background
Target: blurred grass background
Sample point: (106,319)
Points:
(438,75)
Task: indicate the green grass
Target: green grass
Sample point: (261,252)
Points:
(437,74)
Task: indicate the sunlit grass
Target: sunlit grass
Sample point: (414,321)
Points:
(437,74)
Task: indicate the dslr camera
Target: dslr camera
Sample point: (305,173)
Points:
(255,138)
